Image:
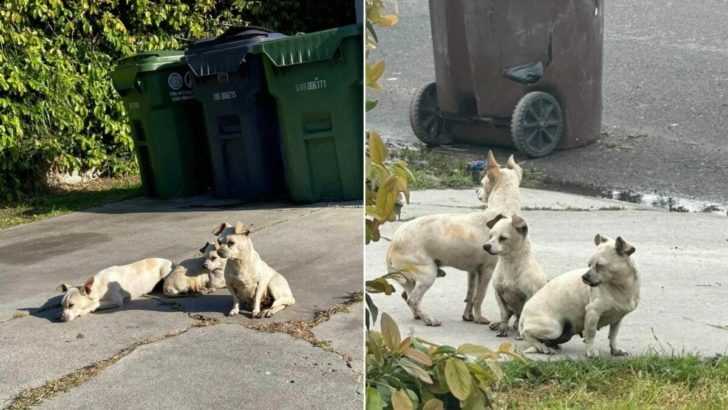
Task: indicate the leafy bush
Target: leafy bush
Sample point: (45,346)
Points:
(58,108)
(412,373)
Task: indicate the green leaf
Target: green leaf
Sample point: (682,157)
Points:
(374,399)
(400,400)
(433,404)
(390,331)
(458,378)
(370,104)
(377,150)
(373,309)
(474,350)
(415,370)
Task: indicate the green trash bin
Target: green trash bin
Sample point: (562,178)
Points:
(166,123)
(317,82)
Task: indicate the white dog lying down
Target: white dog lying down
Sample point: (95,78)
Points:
(113,286)
(197,275)
(584,300)
(420,247)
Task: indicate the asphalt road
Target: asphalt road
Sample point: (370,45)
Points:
(664,89)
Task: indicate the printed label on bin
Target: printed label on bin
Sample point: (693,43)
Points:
(224,95)
(180,86)
(175,81)
(134,105)
(313,85)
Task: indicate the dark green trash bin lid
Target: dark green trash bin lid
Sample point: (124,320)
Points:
(307,48)
(225,53)
(126,70)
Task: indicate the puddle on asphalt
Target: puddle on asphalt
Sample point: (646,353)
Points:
(654,199)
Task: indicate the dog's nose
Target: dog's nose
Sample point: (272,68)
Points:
(486,247)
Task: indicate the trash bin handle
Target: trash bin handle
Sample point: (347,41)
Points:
(235,30)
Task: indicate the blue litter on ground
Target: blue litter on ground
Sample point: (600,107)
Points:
(477,165)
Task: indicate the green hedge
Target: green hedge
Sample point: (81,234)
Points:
(58,109)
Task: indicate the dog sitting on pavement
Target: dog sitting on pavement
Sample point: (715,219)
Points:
(249,279)
(517,276)
(584,300)
(419,248)
(113,286)
(197,275)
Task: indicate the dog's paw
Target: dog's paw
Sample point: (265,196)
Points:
(481,320)
(518,336)
(234,312)
(432,321)
(494,325)
(468,317)
(267,312)
(592,353)
(256,313)
(619,352)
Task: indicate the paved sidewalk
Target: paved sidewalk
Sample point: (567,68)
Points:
(176,362)
(683,259)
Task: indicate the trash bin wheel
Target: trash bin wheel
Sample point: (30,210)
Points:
(537,124)
(424,115)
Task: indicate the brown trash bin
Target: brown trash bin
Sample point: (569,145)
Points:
(523,73)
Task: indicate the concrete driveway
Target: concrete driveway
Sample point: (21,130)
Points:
(183,352)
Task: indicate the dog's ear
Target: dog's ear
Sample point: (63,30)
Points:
(623,248)
(63,287)
(241,229)
(520,225)
(511,164)
(218,229)
(87,286)
(204,248)
(491,162)
(494,221)
(599,239)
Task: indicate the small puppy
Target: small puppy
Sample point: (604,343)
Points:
(113,286)
(197,275)
(248,277)
(517,276)
(582,301)
(420,247)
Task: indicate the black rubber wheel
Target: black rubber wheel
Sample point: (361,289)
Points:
(537,124)
(424,115)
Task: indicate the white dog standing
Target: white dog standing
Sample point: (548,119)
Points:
(517,276)
(248,277)
(113,286)
(584,300)
(420,247)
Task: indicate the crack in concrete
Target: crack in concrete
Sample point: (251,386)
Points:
(36,395)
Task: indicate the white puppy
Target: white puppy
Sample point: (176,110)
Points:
(113,286)
(420,247)
(517,276)
(197,275)
(584,300)
(248,277)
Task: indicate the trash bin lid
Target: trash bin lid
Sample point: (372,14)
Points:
(225,53)
(127,68)
(307,48)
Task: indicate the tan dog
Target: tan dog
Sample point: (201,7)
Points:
(248,277)
(197,275)
(517,276)
(584,300)
(113,286)
(422,246)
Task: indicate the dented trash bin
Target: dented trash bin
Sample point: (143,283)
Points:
(166,123)
(520,73)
